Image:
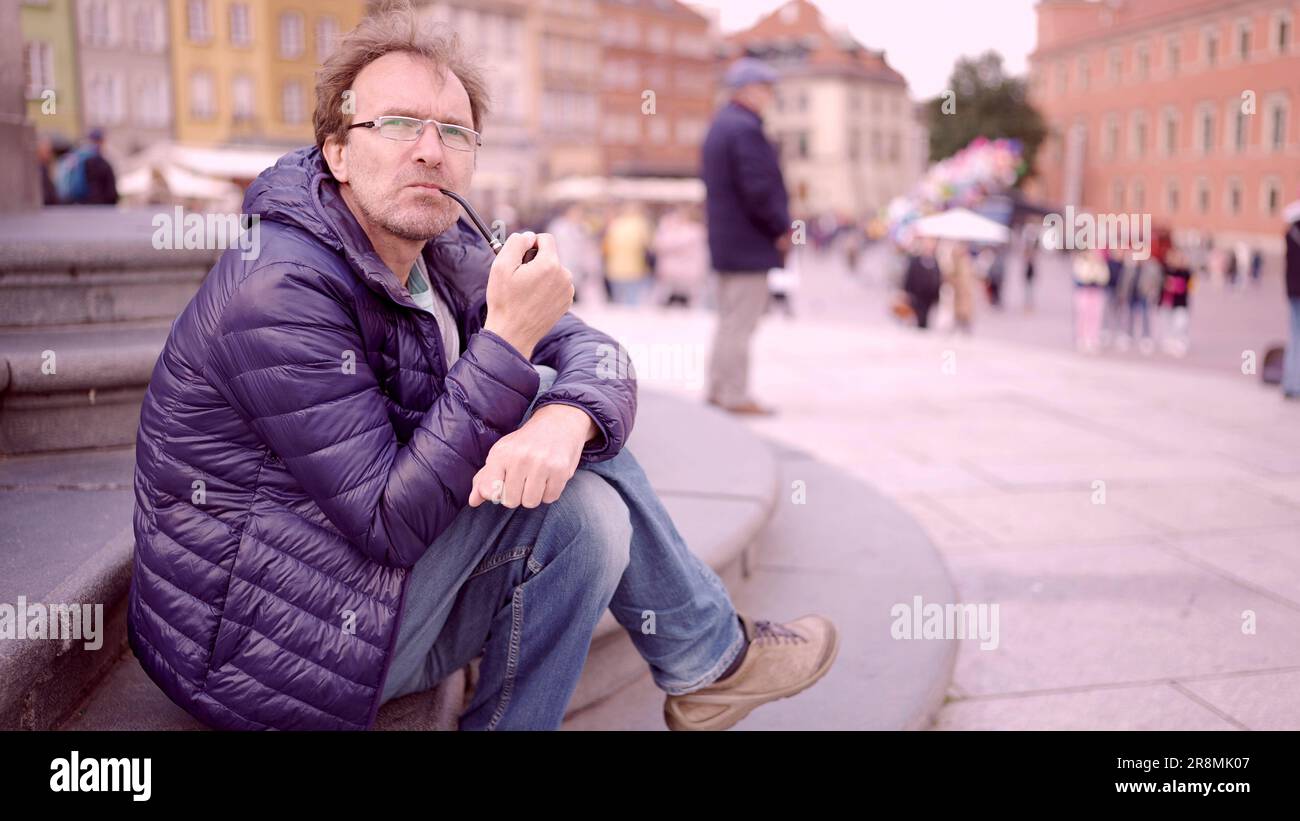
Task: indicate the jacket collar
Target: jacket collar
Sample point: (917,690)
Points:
(300,190)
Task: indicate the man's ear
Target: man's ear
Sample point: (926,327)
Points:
(335,152)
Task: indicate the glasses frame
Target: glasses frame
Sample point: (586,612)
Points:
(374,124)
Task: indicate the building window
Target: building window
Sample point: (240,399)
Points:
(105,103)
(1084,76)
(241,32)
(39,65)
(327,37)
(153,102)
(1138,132)
(895,147)
(242,98)
(1243,41)
(1110,136)
(803,145)
(1203,195)
(292,110)
(98,23)
(146,30)
(1210,45)
(1173,55)
(1169,133)
(1143,62)
(1282,32)
(1171,196)
(1114,65)
(1271,196)
(1117,195)
(1206,129)
(197,23)
(203,95)
(1062,79)
(1139,195)
(292,35)
(1234,197)
(1240,126)
(1278,113)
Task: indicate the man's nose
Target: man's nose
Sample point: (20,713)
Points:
(429,147)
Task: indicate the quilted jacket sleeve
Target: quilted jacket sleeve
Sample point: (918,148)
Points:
(592,373)
(288,357)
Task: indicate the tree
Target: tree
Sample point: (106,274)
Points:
(982,100)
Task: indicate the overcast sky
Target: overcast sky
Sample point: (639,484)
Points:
(921,38)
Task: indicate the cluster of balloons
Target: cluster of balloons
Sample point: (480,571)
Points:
(963,180)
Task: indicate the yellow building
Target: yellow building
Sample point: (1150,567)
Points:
(243,70)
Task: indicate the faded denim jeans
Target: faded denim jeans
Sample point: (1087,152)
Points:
(527,586)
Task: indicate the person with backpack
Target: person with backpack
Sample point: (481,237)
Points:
(85,177)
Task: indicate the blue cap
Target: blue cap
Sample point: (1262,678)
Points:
(748,70)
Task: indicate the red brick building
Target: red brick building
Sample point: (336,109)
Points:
(1186,109)
(657,56)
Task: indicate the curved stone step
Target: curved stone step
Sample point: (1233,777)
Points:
(715,477)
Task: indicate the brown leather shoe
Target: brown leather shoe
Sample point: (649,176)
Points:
(782,660)
(747,408)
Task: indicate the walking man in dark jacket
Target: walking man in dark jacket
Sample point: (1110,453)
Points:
(749,226)
(1291,362)
(328,417)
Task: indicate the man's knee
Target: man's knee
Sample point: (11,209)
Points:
(599,522)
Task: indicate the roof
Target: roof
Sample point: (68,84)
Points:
(797,39)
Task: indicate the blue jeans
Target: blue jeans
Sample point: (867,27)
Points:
(1291,362)
(527,586)
(629,292)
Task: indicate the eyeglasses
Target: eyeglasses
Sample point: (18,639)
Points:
(407,129)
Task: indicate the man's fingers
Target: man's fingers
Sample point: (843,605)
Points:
(515,246)
(534,490)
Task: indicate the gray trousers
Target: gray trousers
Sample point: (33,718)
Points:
(742,297)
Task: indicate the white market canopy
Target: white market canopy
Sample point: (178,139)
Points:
(961,224)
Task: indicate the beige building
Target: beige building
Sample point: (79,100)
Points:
(122,46)
(496,33)
(563,101)
(847,128)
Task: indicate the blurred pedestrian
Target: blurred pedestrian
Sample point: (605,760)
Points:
(627,239)
(1091,273)
(923,280)
(577,247)
(85,176)
(749,226)
(1174,300)
(1114,304)
(959,272)
(1291,366)
(681,247)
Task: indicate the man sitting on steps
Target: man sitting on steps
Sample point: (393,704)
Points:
(326,420)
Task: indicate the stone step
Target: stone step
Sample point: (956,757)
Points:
(715,477)
(83,264)
(67,387)
(850,554)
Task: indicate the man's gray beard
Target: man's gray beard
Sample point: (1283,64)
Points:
(423,229)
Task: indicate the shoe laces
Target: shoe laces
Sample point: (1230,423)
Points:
(773,632)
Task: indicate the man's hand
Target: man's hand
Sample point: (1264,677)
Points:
(525,299)
(533,464)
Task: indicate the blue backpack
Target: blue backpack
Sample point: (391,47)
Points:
(70,175)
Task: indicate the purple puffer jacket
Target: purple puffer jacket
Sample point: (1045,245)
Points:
(302,443)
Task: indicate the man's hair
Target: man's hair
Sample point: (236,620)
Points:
(393,27)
